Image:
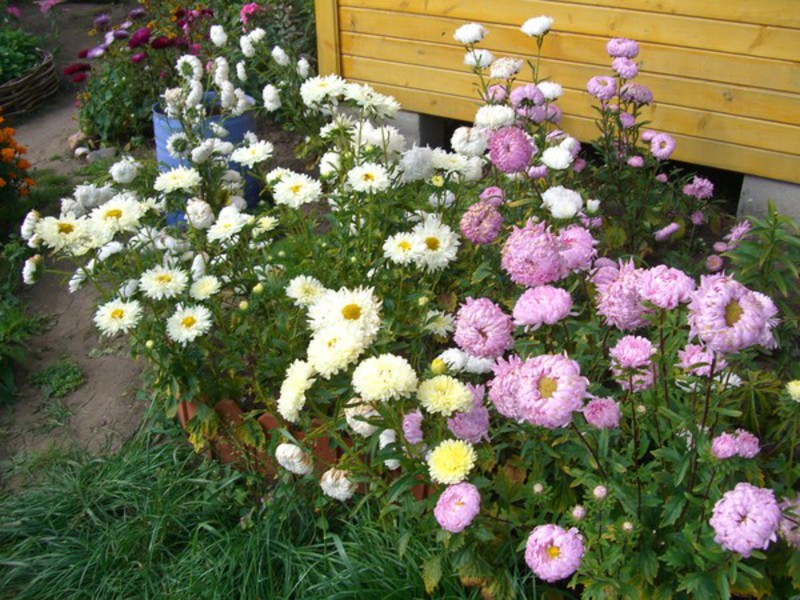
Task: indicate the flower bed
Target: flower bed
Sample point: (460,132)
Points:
(527,331)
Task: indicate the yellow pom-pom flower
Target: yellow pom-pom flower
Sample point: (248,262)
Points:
(444,395)
(451,461)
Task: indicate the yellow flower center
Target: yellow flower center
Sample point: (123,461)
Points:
(114,213)
(351,312)
(547,387)
(117,313)
(404,246)
(368,177)
(65,228)
(163,278)
(296,188)
(432,243)
(733,312)
(553,552)
(188,322)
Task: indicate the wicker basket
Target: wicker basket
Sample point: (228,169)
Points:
(25,93)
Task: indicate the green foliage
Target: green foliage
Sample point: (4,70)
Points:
(17,53)
(59,379)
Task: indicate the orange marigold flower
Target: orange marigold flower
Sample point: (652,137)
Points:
(7,154)
(2,182)
(29,182)
(23,164)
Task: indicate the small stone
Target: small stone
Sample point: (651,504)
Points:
(80,152)
(76,139)
(101,154)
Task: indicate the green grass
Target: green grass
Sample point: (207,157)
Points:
(59,379)
(154,521)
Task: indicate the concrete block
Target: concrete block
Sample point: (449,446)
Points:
(758,191)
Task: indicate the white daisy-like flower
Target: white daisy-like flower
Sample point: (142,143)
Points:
(218,36)
(125,171)
(296,189)
(563,203)
(246,44)
(189,67)
(298,380)
(276,174)
(495,116)
(537,26)
(457,361)
(121,213)
(188,323)
(368,177)
(65,234)
(329,164)
(117,316)
(384,377)
(222,71)
(30,269)
(439,323)
(417,164)
(335,483)
(178,145)
(163,282)
(557,158)
(505,68)
(180,178)
(241,71)
(271,97)
(469,141)
(128,289)
(305,290)
(403,248)
(199,214)
(229,222)
(28,227)
(355,309)
(264,224)
(204,287)
(89,195)
(439,243)
(387,438)
(303,68)
(321,89)
(293,459)
(253,154)
(356,414)
(279,56)
(471,33)
(333,349)
(341,125)
(444,395)
(479,58)
(108,250)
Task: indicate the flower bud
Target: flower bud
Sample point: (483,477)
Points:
(438,366)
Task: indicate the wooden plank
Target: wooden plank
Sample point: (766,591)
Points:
(655,58)
(728,99)
(672,30)
(690,149)
(673,119)
(328,51)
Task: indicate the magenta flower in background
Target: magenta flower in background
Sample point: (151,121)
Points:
(631,363)
(637,93)
(136,13)
(700,188)
(412,427)
(647,135)
(481,223)
(457,507)
(697,359)
(46,5)
(542,305)
(139,38)
(747,445)
(121,34)
(618,299)
(510,150)
(554,553)
(138,57)
(483,329)
(14,11)
(790,521)
(746,518)
(622,47)
(530,255)
(665,287)
(698,218)
(723,446)
(636,162)
(601,87)
(714,263)
(161,42)
(662,146)
(496,94)
(737,233)
(493,195)
(552,114)
(472,426)
(537,172)
(602,413)
(579,165)
(625,67)
(720,247)
(576,246)
(247,11)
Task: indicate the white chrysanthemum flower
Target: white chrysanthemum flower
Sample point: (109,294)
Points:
(319,90)
(333,349)
(471,33)
(246,44)
(444,395)
(356,414)
(478,366)
(305,290)
(439,243)
(334,483)
(66,234)
(417,164)
(296,189)
(329,164)
(257,35)
(368,177)
(189,67)
(403,248)
(79,278)
(271,97)
(110,249)
(264,224)
(556,158)
(356,309)
(128,288)
(188,323)
(439,323)
(250,156)
(117,316)
(217,130)
(442,199)
(89,195)
(303,68)
(505,68)
(30,269)
(199,264)
(243,102)
(178,145)
(218,36)
(125,171)
(199,214)
(479,58)
(449,162)
(469,141)
(387,438)
(180,178)
(204,287)
(241,71)
(298,380)
(455,359)
(563,203)
(279,56)
(229,222)
(495,116)
(28,227)
(276,174)
(222,72)
(293,459)
(550,90)
(121,213)
(537,26)
(341,124)
(163,282)
(385,377)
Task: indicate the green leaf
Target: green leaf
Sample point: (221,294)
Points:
(432,573)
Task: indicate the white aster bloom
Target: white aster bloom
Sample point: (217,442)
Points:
(163,282)
(319,90)
(253,154)
(271,97)
(562,202)
(199,213)
(495,116)
(469,141)
(417,164)
(180,178)
(335,483)
(117,316)
(189,67)
(257,35)
(121,213)
(28,227)
(403,248)
(550,90)
(243,102)
(333,349)
(229,222)
(204,287)
(439,323)
(592,206)
(356,413)
(108,250)
(356,309)
(442,199)
(264,224)
(195,96)
(293,459)
(478,365)
(387,438)
(557,158)
(178,145)
(384,377)
(505,68)
(296,189)
(471,33)
(218,36)
(303,68)
(455,359)
(439,243)
(89,195)
(125,171)
(30,269)
(368,177)
(478,58)
(329,164)
(188,323)
(279,56)
(241,71)
(305,290)
(298,380)
(66,234)
(246,44)
(199,263)
(537,26)
(79,278)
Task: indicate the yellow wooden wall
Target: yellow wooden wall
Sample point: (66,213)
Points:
(725,73)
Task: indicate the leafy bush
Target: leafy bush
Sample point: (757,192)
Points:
(17,53)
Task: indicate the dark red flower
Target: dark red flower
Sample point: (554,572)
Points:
(76,68)
(138,57)
(83,53)
(79,77)
(162,42)
(139,38)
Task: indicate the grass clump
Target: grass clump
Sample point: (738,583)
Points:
(59,379)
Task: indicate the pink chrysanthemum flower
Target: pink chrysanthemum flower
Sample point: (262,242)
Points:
(747,445)
(665,287)
(790,521)
(636,162)
(723,446)
(622,47)
(510,150)
(738,232)
(543,305)
(550,390)
(601,87)
(554,553)
(457,507)
(504,388)
(603,413)
(627,120)
(472,426)
(412,427)
(666,232)
(493,195)
(746,518)
(605,271)
(697,359)
(526,99)
(631,362)
(728,317)
(662,178)
(714,263)
(700,188)
(531,256)
(483,329)
(496,94)
(619,300)
(698,218)
(577,248)
(537,172)
(625,67)
(637,93)
(481,223)
(662,146)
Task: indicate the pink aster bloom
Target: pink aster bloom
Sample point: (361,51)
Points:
(700,188)
(746,518)
(543,305)
(526,99)
(579,165)
(747,445)
(605,271)
(481,223)
(723,446)
(631,362)
(662,146)
(738,232)
(483,329)
(665,287)
(550,390)
(647,135)
(601,87)
(504,388)
(662,178)
(626,120)
(472,426)
(714,263)
(636,162)
(496,94)
(412,427)
(578,512)
(637,93)
(666,232)
(14,11)
(625,67)
(247,11)
(698,218)
(697,360)
(790,521)
(554,553)
(493,195)
(622,47)
(531,256)
(576,246)
(603,413)
(619,300)
(510,150)
(537,172)
(728,317)
(457,507)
